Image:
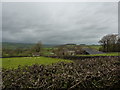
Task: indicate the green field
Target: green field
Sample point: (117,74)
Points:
(97,47)
(22,61)
(105,54)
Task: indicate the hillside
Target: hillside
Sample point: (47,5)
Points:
(21,45)
(16,45)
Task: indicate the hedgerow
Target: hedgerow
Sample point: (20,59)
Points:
(87,73)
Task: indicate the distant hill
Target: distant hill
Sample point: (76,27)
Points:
(21,45)
(16,45)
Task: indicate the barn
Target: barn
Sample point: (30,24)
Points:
(92,51)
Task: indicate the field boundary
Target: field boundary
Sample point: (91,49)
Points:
(80,57)
(67,57)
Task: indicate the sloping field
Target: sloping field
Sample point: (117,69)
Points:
(22,61)
(96,47)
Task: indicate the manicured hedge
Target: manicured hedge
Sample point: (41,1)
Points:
(87,73)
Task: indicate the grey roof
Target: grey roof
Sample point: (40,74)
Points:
(92,51)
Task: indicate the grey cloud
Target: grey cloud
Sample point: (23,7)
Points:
(58,23)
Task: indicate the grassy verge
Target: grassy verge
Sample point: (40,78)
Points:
(105,54)
(23,61)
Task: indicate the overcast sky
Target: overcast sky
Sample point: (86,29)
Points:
(58,23)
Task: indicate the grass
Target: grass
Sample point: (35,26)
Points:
(105,54)
(97,47)
(9,63)
(92,46)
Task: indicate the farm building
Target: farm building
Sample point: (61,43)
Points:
(35,54)
(68,52)
(65,52)
(91,51)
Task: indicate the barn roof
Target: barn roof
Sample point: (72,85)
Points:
(92,51)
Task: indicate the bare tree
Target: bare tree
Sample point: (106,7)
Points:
(37,48)
(109,42)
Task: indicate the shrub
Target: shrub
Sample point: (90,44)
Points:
(88,73)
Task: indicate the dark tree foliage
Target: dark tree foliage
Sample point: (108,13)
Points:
(110,43)
(8,52)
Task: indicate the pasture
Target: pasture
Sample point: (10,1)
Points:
(96,47)
(9,63)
